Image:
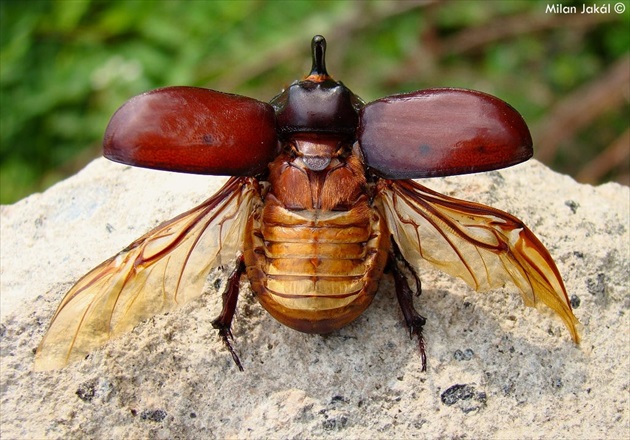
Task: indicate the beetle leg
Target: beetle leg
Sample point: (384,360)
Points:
(224,321)
(413,319)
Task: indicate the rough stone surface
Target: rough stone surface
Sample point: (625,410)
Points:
(495,368)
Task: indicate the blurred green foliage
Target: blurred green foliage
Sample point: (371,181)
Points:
(66,66)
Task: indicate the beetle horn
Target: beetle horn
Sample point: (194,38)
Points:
(318,71)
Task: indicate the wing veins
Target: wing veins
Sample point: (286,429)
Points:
(480,244)
(448,222)
(94,310)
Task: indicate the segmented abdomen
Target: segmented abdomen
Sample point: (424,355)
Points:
(315,270)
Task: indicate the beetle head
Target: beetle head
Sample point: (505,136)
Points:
(317,104)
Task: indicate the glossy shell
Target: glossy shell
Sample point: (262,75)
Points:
(193,130)
(441,132)
(317,107)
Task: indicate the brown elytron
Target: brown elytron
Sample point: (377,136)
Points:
(321,207)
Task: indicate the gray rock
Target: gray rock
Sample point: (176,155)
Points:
(495,368)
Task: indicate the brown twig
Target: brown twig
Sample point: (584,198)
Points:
(615,156)
(357,18)
(581,107)
(506,27)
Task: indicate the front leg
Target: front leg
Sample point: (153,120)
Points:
(224,321)
(413,319)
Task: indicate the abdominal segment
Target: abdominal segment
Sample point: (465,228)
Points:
(315,270)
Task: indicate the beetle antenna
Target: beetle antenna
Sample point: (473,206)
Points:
(318,71)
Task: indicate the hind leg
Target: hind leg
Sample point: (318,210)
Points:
(413,319)
(223,322)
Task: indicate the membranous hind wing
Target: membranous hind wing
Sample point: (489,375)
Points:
(165,268)
(484,246)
